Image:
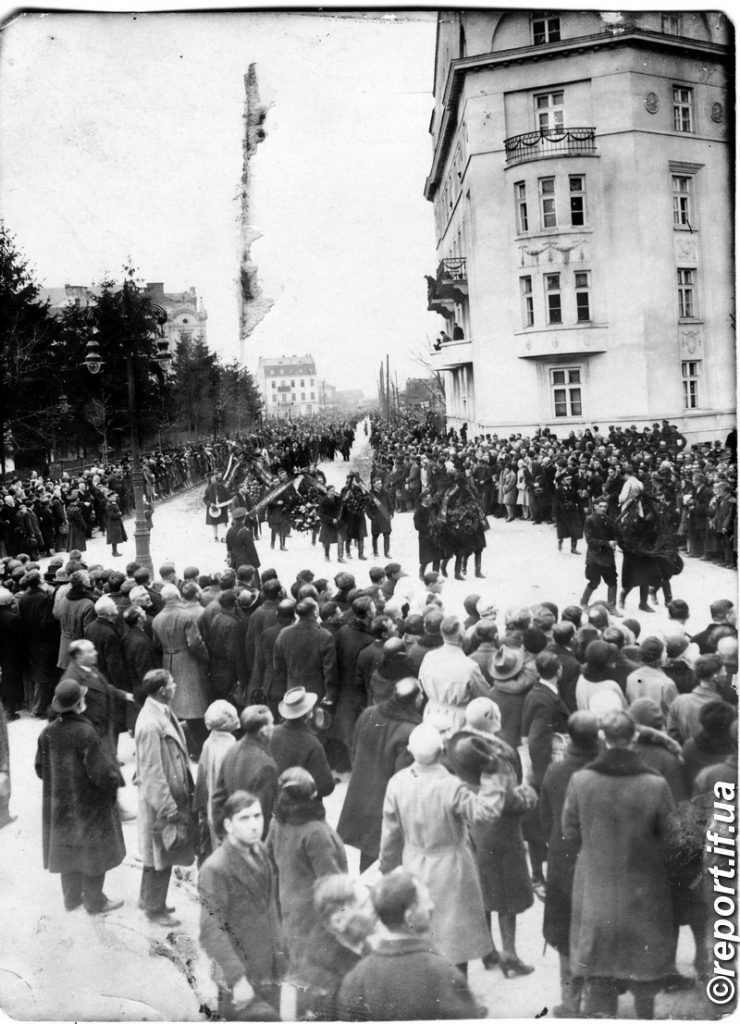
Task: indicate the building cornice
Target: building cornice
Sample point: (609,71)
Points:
(462,66)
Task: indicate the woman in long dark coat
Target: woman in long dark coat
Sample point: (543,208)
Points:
(305,848)
(115,532)
(81,826)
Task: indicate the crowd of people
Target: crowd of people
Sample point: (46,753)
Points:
(560,754)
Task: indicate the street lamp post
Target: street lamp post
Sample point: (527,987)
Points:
(94,362)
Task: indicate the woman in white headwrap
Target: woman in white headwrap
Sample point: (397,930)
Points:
(222,722)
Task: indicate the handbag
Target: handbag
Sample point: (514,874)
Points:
(64,529)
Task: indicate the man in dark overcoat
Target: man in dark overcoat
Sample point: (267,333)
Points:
(583,729)
(351,639)
(249,765)
(82,837)
(11,654)
(379,750)
(295,745)
(240,546)
(105,704)
(601,542)
(305,654)
(239,918)
(41,635)
(622,928)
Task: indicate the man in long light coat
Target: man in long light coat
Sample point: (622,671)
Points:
(178,639)
(449,678)
(426,814)
(165,794)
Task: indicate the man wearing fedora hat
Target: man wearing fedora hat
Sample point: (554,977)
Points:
(82,837)
(295,745)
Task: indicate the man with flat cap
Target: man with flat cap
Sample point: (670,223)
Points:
(240,546)
(82,837)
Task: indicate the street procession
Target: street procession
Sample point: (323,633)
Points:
(325,697)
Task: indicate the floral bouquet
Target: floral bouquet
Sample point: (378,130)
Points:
(304,516)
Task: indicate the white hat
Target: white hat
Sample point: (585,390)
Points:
(425,743)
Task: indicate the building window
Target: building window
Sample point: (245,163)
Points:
(690,379)
(565,385)
(671,24)
(549,110)
(548,215)
(682,109)
(577,199)
(274,384)
(520,191)
(292,383)
(312,382)
(303,396)
(682,200)
(302,384)
(525,283)
(583,295)
(552,294)
(313,396)
(686,286)
(545,29)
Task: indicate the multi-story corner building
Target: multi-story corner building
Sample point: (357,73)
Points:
(289,386)
(582,184)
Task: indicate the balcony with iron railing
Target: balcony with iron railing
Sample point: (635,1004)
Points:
(449,286)
(550,142)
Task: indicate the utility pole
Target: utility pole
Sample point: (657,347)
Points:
(387,386)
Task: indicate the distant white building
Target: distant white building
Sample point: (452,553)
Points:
(582,183)
(289,386)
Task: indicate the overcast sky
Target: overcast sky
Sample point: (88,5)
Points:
(120,136)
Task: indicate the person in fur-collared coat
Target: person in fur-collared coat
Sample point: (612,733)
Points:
(622,928)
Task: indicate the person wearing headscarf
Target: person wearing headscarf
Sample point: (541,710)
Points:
(222,721)
(499,847)
(305,848)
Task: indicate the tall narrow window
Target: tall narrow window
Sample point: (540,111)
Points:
(549,110)
(525,283)
(577,184)
(682,200)
(548,214)
(583,295)
(553,299)
(682,109)
(686,286)
(565,386)
(690,371)
(520,191)
(545,29)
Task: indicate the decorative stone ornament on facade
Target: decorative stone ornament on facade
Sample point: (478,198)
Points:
(652,103)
